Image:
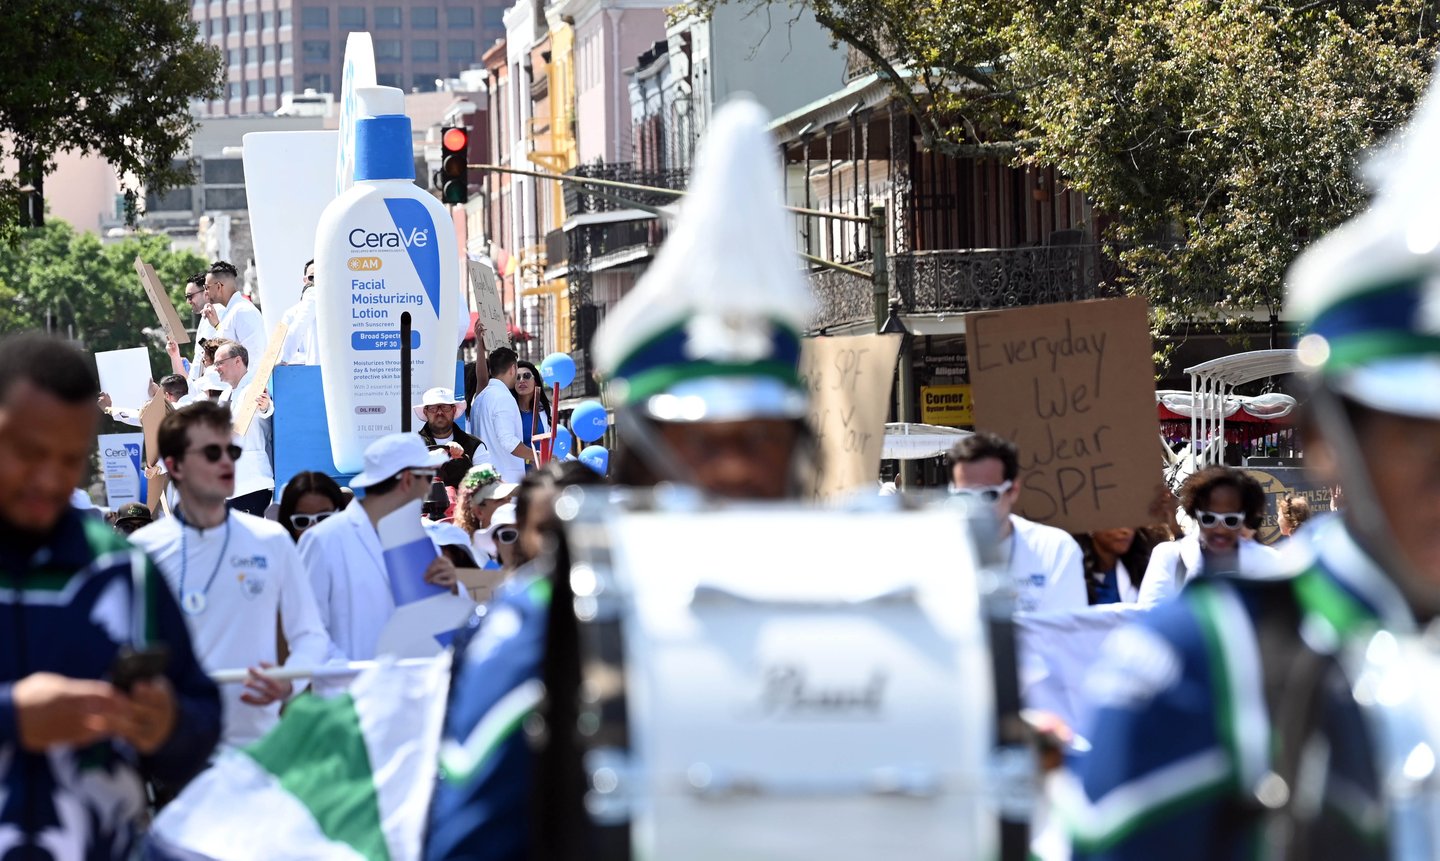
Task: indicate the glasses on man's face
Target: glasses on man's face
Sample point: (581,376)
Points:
(507,535)
(524,375)
(191,296)
(214,451)
(218,362)
(424,474)
(986,494)
(1209,519)
(305,521)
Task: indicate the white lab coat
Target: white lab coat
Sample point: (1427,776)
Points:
(253,471)
(1046,567)
(352,588)
(1159,583)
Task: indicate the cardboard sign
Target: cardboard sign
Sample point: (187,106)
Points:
(485,293)
(151,415)
(946,405)
(850,381)
(245,413)
(125,376)
(1073,386)
(160,301)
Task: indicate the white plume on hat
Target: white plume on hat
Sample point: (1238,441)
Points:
(728,271)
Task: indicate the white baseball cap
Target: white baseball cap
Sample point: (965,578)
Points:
(394,453)
(436,397)
(450,535)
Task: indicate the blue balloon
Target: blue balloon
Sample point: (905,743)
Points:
(589,421)
(558,369)
(563,443)
(596,457)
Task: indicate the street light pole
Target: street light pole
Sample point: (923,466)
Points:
(880,272)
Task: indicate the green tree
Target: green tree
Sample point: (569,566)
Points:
(71,283)
(114,78)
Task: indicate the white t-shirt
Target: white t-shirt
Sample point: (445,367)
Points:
(302,342)
(496,419)
(1046,566)
(242,322)
(203,332)
(259,576)
(348,576)
(253,471)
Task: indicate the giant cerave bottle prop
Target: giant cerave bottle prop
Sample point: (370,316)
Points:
(383,249)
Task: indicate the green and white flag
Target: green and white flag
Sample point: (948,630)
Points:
(342,777)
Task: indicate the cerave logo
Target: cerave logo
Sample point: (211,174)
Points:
(389,240)
(364,264)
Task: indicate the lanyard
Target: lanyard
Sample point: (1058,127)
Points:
(194,603)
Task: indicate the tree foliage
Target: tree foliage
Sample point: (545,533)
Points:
(114,78)
(73,284)
(1217,137)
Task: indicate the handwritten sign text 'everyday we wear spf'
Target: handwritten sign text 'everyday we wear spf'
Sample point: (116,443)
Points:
(1073,386)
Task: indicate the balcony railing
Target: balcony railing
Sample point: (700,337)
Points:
(579,200)
(968,280)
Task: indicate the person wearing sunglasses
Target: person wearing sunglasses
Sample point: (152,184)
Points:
(1223,502)
(480,494)
(533,401)
(302,340)
(1045,564)
(439,409)
(255,477)
(344,553)
(236,577)
(308,500)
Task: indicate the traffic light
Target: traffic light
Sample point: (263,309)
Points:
(454,179)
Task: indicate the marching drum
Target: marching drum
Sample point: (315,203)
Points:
(779,681)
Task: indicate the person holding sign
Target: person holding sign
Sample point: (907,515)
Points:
(346,557)
(1046,565)
(196,297)
(254,477)
(233,574)
(233,316)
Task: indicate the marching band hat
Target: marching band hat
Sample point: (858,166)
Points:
(712,330)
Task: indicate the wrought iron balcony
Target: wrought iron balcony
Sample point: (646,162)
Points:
(968,280)
(579,200)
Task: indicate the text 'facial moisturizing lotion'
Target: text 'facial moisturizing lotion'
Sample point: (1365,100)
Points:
(384,248)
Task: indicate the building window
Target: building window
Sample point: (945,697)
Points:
(284,17)
(269,86)
(232,23)
(267,20)
(493,17)
(460,51)
(285,50)
(251,22)
(319,82)
(387,18)
(287,83)
(424,18)
(424,49)
(315,51)
(314,18)
(232,90)
(459,16)
(225,198)
(387,79)
(252,55)
(388,51)
(232,57)
(424,82)
(267,54)
(352,17)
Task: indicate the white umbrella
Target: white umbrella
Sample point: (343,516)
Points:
(913,441)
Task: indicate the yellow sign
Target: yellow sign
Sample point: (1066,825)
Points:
(945,405)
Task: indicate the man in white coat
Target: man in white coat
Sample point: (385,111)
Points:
(254,476)
(344,553)
(232,574)
(1045,564)
(233,316)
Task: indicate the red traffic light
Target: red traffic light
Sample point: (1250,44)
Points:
(455,140)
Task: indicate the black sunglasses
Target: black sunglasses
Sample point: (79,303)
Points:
(189,296)
(305,521)
(524,375)
(213,451)
(309,279)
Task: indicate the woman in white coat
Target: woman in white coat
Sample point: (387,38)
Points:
(1222,502)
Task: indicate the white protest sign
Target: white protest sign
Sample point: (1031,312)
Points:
(289,181)
(850,381)
(120,464)
(359,71)
(485,294)
(125,376)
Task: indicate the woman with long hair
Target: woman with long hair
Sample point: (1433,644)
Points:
(1115,561)
(308,498)
(481,492)
(1222,502)
(529,391)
